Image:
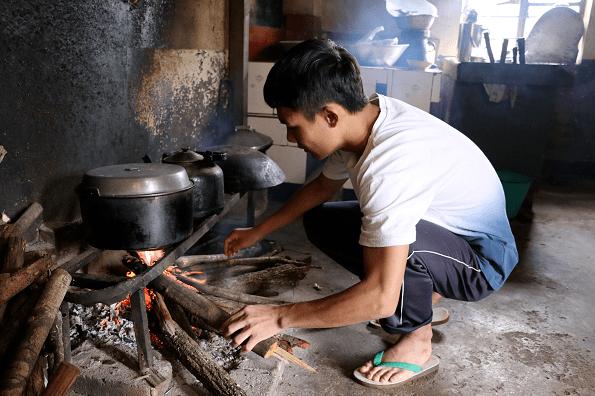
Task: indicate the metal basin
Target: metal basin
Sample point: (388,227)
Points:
(378,52)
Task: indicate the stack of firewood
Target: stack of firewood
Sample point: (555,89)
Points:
(31,293)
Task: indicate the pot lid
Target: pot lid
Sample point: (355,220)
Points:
(247,169)
(183,157)
(247,137)
(132,180)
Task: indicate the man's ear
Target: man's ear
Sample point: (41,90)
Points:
(330,115)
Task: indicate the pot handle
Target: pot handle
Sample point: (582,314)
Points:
(88,191)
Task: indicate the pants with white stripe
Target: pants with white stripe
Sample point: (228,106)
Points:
(439,261)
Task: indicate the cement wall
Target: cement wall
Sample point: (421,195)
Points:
(86,84)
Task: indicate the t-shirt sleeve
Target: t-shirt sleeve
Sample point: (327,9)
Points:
(335,167)
(392,203)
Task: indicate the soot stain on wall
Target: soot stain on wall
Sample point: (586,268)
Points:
(178,96)
(69,76)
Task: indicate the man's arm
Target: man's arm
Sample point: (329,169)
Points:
(312,194)
(375,296)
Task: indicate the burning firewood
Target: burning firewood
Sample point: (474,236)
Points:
(198,362)
(209,313)
(44,313)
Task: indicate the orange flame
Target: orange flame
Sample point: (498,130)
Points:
(149,257)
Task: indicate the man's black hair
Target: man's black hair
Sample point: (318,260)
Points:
(312,74)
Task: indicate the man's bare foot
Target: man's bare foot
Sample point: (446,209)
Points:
(415,347)
(436,297)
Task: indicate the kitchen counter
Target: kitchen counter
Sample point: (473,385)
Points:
(510,74)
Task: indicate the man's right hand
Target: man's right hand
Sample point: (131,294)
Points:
(240,238)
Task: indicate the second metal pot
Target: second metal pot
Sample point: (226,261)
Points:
(207,177)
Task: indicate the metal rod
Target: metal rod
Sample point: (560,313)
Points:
(141,329)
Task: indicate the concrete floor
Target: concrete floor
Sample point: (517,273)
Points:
(534,337)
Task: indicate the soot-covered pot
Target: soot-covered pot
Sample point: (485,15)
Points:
(207,177)
(136,206)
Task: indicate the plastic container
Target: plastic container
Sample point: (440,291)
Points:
(516,187)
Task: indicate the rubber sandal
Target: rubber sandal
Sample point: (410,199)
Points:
(440,315)
(429,367)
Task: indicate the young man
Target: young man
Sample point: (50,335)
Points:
(430,219)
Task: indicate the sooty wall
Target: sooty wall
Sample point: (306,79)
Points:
(91,83)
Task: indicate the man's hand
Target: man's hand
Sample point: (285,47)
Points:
(252,324)
(240,238)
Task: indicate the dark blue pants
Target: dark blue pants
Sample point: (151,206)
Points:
(439,261)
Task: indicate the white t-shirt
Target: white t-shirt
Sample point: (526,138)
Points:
(417,167)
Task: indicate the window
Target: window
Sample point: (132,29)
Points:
(512,18)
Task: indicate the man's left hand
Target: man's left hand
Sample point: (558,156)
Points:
(252,324)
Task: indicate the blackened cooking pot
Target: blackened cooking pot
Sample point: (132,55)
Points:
(207,177)
(136,206)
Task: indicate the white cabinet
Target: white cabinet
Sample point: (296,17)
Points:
(416,87)
(413,87)
(257,76)
(375,80)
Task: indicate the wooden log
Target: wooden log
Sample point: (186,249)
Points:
(179,315)
(190,353)
(56,344)
(19,311)
(79,261)
(278,278)
(42,318)
(36,381)
(27,224)
(195,304)
(62,380)
(221,259)
(227,293)
(12,260)
(198,306)
(228,306)
(14,256)
(23,278)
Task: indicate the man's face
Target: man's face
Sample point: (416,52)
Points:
(313,136)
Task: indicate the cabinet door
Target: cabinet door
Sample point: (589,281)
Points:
(257,76)
(413,87)
(375,80)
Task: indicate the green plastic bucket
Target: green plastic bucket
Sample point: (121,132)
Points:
(516,187)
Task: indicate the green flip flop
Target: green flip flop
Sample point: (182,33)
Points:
(431,366)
